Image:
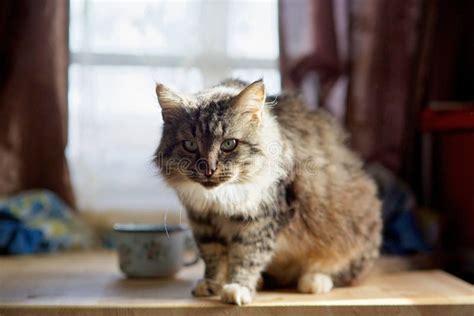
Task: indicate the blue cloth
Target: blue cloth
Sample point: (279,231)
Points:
(401,235)
(39,221)
(16,238)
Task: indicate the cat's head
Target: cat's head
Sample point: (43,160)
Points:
(213,137)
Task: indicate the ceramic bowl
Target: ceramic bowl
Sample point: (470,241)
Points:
(146,250)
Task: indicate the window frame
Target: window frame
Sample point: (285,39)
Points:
(215,64)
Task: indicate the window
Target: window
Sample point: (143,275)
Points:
(119,49)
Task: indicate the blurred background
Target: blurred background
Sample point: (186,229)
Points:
(79,120)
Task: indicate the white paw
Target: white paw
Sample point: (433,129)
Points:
(236,294)
(206,288)
(316,283)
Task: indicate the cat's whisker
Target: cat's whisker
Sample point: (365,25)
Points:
(166,228)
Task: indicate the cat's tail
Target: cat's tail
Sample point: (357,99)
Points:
(375,265)
(357,270)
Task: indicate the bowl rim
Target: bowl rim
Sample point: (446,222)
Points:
(149,228)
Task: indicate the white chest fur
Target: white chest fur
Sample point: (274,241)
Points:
(227,199)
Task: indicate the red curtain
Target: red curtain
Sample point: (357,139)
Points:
(364,57)
(314,52)
(33,96)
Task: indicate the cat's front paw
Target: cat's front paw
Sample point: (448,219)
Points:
(317,283)
(236,294)
(206,287)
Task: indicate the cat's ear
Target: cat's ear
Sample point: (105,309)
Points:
(252,99)
(169,101)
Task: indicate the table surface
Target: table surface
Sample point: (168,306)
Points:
(90,282)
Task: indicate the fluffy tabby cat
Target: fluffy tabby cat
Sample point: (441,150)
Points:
(271,191)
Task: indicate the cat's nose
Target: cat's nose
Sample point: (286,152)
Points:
(210,171)
(210,168)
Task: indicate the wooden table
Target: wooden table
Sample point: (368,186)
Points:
(90,283)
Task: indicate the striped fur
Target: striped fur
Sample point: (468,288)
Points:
(291,200)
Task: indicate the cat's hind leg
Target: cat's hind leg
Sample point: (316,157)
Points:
(315,282)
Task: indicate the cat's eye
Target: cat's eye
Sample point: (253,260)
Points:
(229,144)
(190,145)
